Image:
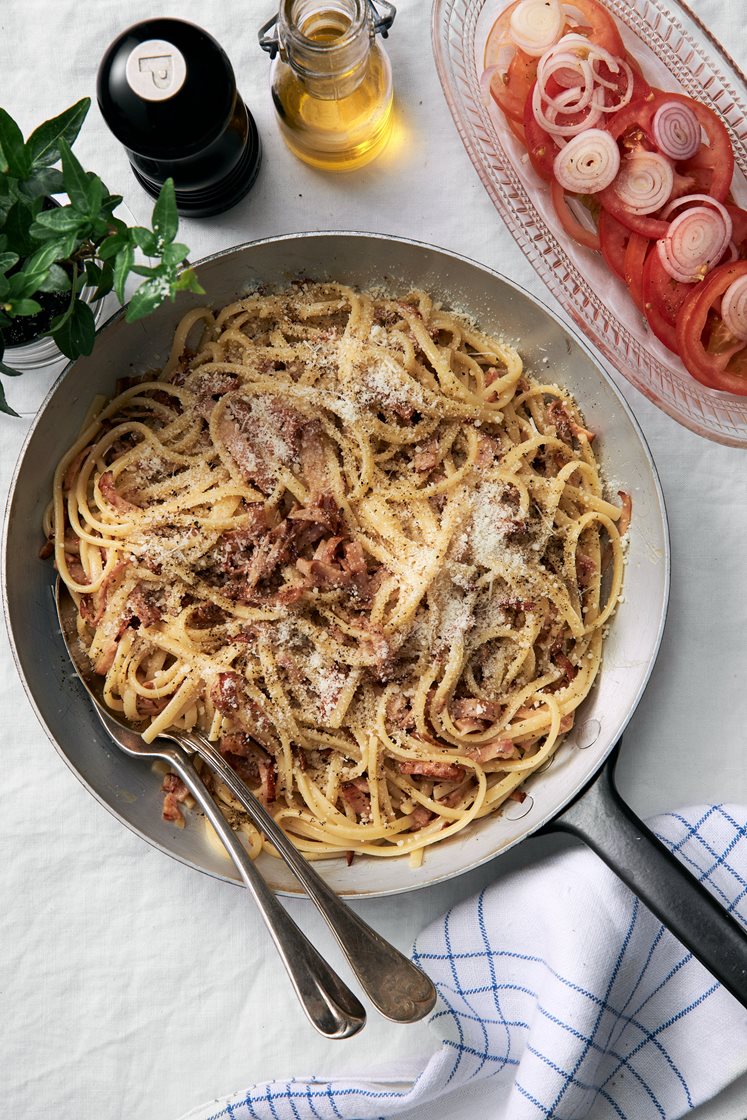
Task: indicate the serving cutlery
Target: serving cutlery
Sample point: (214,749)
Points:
(396,987)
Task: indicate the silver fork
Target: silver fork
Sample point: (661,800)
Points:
(396,987)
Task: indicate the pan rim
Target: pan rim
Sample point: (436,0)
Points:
(544,818)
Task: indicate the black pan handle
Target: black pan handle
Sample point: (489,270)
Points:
(600,818)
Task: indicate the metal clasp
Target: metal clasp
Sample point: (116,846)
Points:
(382,21)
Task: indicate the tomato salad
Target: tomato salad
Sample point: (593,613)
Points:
(652,171)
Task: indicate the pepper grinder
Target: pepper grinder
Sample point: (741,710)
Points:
(167,91)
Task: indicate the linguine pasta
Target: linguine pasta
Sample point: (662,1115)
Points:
(350,539)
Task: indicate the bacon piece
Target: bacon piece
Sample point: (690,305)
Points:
(565,663)
(143,607)
(517,795)
(259,434)
(425,768)
(206,614)
(420,817)
(472,707)
(112,496)
(565,426)
(172,783)
(227,693)
(313,460)
(179,373)
(267,780)
(585,568)
(566,722)
(487,450)
(322,514)
(427,458)
(508,603)
(399,712)
(210,386)
(101,597)
(355,794)
(47,549)
(494,748)
(171,811)
(327,577)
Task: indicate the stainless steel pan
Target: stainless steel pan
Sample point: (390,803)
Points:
(131,791)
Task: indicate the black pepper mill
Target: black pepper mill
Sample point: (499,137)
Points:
(168,92)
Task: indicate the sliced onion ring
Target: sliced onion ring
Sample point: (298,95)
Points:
(535,25)
(676,130)
(588,163)
(734,308)
(645,182)
(696,240)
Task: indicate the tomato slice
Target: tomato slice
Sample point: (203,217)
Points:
(511,88)
(634,260)
(594,21)
(739,230)
(709,352)
(569,221)
(614,238)
(541,146)
(663,297)
(513,79)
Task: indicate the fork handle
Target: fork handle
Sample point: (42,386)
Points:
(396,987)
(329,1004)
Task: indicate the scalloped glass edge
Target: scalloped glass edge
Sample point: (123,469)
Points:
(673,38)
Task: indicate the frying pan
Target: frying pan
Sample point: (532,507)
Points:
(576,791)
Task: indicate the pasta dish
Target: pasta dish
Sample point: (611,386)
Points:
(353,541)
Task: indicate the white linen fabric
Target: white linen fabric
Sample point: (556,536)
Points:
(132,987)
(560,995)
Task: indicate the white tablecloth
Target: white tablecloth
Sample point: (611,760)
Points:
(132,986)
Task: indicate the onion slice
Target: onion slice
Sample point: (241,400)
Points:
(734,308)
(535,25)
(645,182)
(588,163)
(696,240)
(676,130)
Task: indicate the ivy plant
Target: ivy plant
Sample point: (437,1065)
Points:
(51,249)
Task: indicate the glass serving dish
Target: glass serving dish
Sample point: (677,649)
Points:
(676,52)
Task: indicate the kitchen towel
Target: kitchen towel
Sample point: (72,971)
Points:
(560,996)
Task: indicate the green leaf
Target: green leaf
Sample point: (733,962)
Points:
(42,182)
(174,254)
(40,261)
(22,306)
(145,240)
(3,162)
(106,282)
(7,260)
(76,332)
(165,218)
(74,179)
(17,222)
(122,266)
(112,245)
(188,282)
(9,371)
(63,219)
(43,145)
(95,194)
(4,406)
(14,151)
(57,280)
(147,298)
(4,289)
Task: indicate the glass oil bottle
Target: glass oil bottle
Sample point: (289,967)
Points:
(331,80)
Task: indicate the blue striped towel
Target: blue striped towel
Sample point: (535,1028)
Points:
(560,996)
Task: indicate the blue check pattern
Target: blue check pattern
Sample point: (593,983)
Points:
(561,997)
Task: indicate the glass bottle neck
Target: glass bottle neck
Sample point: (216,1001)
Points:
(326,43)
